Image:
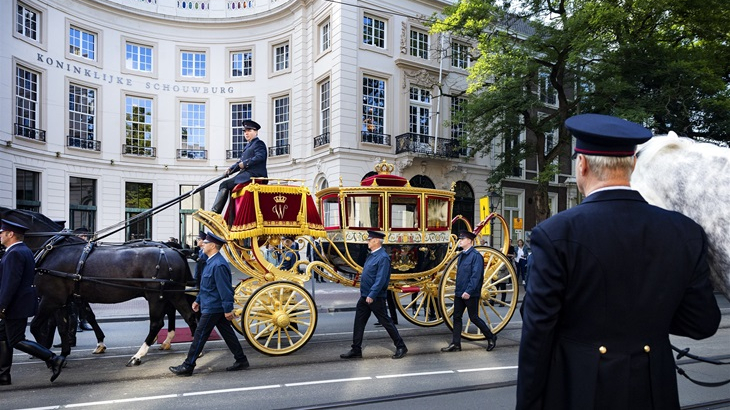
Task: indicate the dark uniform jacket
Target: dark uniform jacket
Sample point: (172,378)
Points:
(216,291)
(610,279)
(469,273)
(375,275)
(17,294)
(254,162)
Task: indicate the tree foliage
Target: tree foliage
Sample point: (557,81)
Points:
(662,63)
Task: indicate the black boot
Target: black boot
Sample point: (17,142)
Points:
(220,200)
(54,362)
(6,360)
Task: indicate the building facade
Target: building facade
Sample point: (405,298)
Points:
(110,107)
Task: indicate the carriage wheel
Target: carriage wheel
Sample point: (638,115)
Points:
(498,271)
(419,305)
(241,294)
(280,318)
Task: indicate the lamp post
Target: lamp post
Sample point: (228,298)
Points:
(494,199)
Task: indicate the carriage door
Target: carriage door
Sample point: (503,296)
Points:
(463,205)
(189,227)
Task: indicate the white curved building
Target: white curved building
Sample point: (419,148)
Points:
(110,107)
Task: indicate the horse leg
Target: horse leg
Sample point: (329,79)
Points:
(64,329)
(41,327)
(157,315)
(183,304)
(170,313)
(91,318)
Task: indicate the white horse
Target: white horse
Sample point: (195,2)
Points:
(692,178)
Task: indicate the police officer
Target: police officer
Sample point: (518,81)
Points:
(610,279)
(18,299)
(468,291)
(373,285)
(215,302)
(251,164)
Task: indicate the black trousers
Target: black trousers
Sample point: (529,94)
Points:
(472,306)
(362,314)
(207,322)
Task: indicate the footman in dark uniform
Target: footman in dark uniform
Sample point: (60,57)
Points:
(215,301)
(373,286)
(18,299)
(610,279)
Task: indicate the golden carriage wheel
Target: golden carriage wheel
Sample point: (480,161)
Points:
(421,306)
(498,270)
(241,294)
(279,318)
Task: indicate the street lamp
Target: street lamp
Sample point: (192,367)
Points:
(494,199)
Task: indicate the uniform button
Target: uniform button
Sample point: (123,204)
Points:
(602,349)
(647,348)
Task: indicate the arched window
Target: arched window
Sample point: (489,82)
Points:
(422,181)
(463,205)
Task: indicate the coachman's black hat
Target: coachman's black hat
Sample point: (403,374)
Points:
(211,237)
(466,234)
(604,135)
(201,235)
(14,221)
(376,235)
(251,124)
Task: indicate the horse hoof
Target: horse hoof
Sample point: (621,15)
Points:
(165,346)
(134,362)
(99,350)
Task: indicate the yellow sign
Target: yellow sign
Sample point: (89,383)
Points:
(484,213)
(517,223)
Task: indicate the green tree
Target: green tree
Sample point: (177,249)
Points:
(537,62)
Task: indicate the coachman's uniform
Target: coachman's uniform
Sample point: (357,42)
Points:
(611,279)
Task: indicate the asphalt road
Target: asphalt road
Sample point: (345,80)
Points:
(313,377)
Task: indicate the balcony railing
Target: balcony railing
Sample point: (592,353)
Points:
(139,151)
(322,139)
(192,154)
(427,145)
(83,143)
(30,133)
(279,150)
(375,138)
(234,153)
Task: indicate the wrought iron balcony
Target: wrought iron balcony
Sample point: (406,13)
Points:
(192,154)
(279,150)
(30,133)
(234,153)
(139,151)
(427,145)
(322,139)
(83,143)
(375,138)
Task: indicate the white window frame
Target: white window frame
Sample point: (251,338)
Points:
(243,77)
(460,55)
(325,106)
(178,131)
(133,41)
(282,127)
(422,48)
(544,88)
(325,36)
(97,61)
(96,110)
(423,110)
(381,43)
(153,121)
(178,63)
(39,102)
(281,57)
(41,23)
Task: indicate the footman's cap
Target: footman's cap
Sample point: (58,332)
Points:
(376,235)
(251,124)
(466,234)
(211,237)
(604,135)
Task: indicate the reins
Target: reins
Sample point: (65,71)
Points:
(685,352)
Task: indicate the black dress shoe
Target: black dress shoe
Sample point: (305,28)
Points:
(182,370)
(492,343)
(400,352)
(61,345)
(85,325)
(56,363)
(5,380)
(352,354)
(242,365)
(451,348)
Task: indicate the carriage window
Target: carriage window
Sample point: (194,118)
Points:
(331,212)
(438,213)
(363,211)
(404,212)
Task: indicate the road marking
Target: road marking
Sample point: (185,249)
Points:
(393,376)
(352,379)
(265,387)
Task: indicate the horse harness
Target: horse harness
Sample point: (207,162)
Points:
(78,276)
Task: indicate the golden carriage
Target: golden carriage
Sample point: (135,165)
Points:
(278,315)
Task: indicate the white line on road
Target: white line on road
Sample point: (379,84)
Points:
(392,376)
(199,393)
(352,379)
